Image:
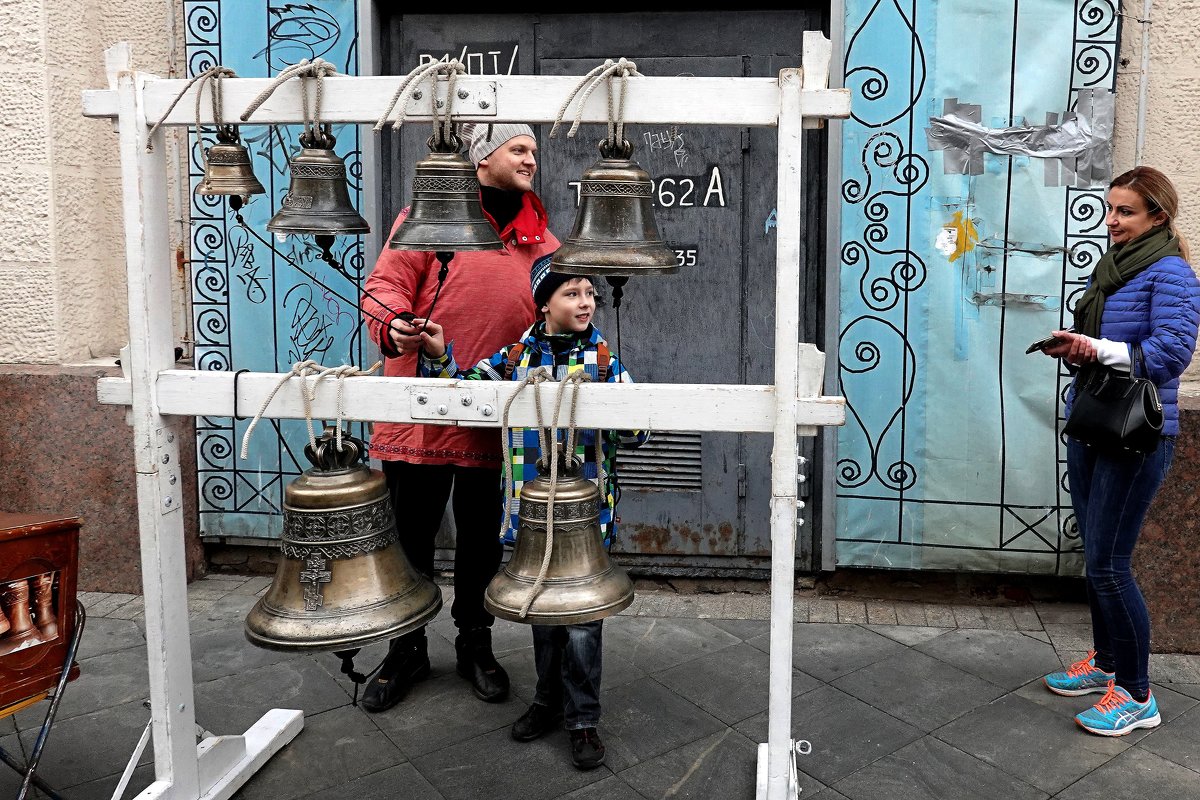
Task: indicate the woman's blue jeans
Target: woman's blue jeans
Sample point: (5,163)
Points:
(1111,493)
(568,664)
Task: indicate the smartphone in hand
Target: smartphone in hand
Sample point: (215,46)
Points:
(1042,344)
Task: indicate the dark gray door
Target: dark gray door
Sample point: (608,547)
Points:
(692,504)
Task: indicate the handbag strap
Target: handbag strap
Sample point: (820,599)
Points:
(1138,362)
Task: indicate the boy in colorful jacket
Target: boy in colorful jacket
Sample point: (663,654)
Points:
(567,656)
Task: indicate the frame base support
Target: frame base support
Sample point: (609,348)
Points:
(227,762)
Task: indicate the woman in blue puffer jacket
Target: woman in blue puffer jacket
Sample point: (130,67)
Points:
(1141,292)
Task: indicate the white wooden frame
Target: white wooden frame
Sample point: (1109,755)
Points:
(158,394)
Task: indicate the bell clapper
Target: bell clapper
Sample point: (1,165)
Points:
(617,282)
(325,242)
(357,678)
(444,257)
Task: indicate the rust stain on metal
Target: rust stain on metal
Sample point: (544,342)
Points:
(650,538)
(709,538)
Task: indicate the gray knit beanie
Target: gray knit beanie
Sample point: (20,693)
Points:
(483,139)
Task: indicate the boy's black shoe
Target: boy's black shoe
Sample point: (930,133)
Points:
(536,722)
(406,663)
(477,664)
(587,751)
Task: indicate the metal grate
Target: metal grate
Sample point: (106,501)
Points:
(669,462)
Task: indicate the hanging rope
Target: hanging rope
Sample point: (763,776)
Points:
(534,376)
(575,378)
(319,69)
(210,77)
(602,74)
(302,370)
(442,126)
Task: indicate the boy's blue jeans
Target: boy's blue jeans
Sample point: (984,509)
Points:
(567,658)
(1111,494)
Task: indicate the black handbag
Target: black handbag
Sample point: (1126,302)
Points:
(1116,410)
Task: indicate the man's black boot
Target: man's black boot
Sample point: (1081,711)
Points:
(406,663)
(477,664)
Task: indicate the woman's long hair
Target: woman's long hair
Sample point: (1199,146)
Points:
(1159,194)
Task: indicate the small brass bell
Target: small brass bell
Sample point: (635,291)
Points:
(446,213)
(344,581)
(582,584)
(318,200)
(615,232)
(227,169)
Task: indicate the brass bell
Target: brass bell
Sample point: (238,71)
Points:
(582,584)
(318,200)
(227,169)
(344,581)
(446,213)
(615,231)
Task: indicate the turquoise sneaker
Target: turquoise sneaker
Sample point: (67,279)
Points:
(1118,714)
(1082,677)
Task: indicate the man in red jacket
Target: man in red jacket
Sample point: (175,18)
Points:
(486,302)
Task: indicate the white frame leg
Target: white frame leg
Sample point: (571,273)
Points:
(220,765)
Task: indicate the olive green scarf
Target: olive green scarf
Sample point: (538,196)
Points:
(1116,268)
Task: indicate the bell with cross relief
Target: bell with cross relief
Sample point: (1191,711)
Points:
(343,581)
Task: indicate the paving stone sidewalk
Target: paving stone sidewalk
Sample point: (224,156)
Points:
(898,700)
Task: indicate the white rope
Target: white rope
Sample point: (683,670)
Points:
(534,376)
(301,370)
(623,68)
(575,378)
(211,75)
(441,122)
(318,68)
(341,373)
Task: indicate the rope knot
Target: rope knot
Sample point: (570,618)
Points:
(302,370)
(210,77)
(317,68)
(623,68)
(442,130)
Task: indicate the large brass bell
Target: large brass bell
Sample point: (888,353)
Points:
(582,584)
(446,213)
(615,232)
(227,169)
(318,200)
(344,581)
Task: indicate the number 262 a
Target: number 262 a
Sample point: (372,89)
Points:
(681,192)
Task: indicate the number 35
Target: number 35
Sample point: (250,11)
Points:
(686,258)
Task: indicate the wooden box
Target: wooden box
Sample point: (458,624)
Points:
(39,565)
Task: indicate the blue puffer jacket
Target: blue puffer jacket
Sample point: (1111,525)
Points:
(1160,308)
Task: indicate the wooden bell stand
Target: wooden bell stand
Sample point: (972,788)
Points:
(158,394)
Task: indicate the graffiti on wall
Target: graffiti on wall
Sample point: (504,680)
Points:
(252,309)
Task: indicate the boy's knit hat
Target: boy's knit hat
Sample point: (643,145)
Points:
(483,139)
(543,282)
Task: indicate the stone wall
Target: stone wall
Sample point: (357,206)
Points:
(1166,560)
(64,453)
(62,277)
(62,269)
(1172,116)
